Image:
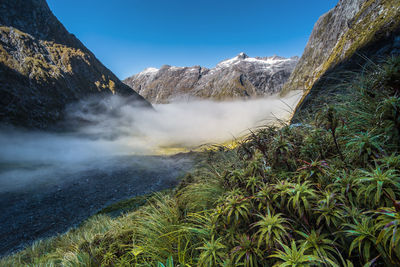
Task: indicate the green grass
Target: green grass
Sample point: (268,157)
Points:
(127,205)
(323,192)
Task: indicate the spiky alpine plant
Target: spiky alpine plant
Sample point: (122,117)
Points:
(388,111)
(253,184)
(236,210)
(375,183)
(271,229)
(300,197)
(330,209)
(388,225)
(364,235)
(346,184)
(329,118)
(314,171)
(246,253)
(364,146)
(212,253)
(235,192)
(257,166)
(234,178)
(316,144)
(281,150)
(294,256)
(259,141)
(282,192)
(265,197)
(321,246)
(391,162)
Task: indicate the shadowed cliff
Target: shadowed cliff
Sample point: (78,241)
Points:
(43,67)
(343,40)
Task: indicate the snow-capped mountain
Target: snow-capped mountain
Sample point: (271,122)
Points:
(238,77)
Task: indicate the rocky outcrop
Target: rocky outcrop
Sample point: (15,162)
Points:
(239,77)
(345,38)
(43,67)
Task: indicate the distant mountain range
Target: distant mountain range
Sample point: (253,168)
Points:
(238,77)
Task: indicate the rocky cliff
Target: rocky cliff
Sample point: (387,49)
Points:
(352,33)
(43,67)
(239,77)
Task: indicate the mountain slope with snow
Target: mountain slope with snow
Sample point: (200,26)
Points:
(238,77)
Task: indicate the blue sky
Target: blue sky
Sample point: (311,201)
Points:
(130,35)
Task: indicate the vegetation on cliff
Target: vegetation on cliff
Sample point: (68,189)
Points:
(350,35)
(43,67)
(324,192)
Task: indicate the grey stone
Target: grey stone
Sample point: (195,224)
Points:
(239,77)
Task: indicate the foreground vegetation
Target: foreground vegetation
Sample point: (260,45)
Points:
(323,192)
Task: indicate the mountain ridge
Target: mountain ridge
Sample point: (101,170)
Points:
(238,77)
(43,67)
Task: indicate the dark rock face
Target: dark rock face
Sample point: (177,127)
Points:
(43,67)
(350,35)
(239,77)
(327,31)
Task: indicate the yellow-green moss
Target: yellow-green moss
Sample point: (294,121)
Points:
(364,30)
(35,65)
(9,30)
(111,85)
(62,55)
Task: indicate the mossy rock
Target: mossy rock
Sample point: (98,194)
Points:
(370,35)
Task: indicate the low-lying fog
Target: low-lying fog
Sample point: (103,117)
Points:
(113,127)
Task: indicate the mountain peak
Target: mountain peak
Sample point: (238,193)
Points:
(238,77)
(242,55)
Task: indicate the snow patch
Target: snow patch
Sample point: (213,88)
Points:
(176,68)
(229,62)
(149,70)
(242,57)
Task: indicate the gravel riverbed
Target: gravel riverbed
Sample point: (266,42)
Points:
(51,202)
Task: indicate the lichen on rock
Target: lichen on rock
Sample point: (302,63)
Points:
(345,38)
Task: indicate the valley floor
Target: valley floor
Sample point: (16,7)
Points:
(46,208)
